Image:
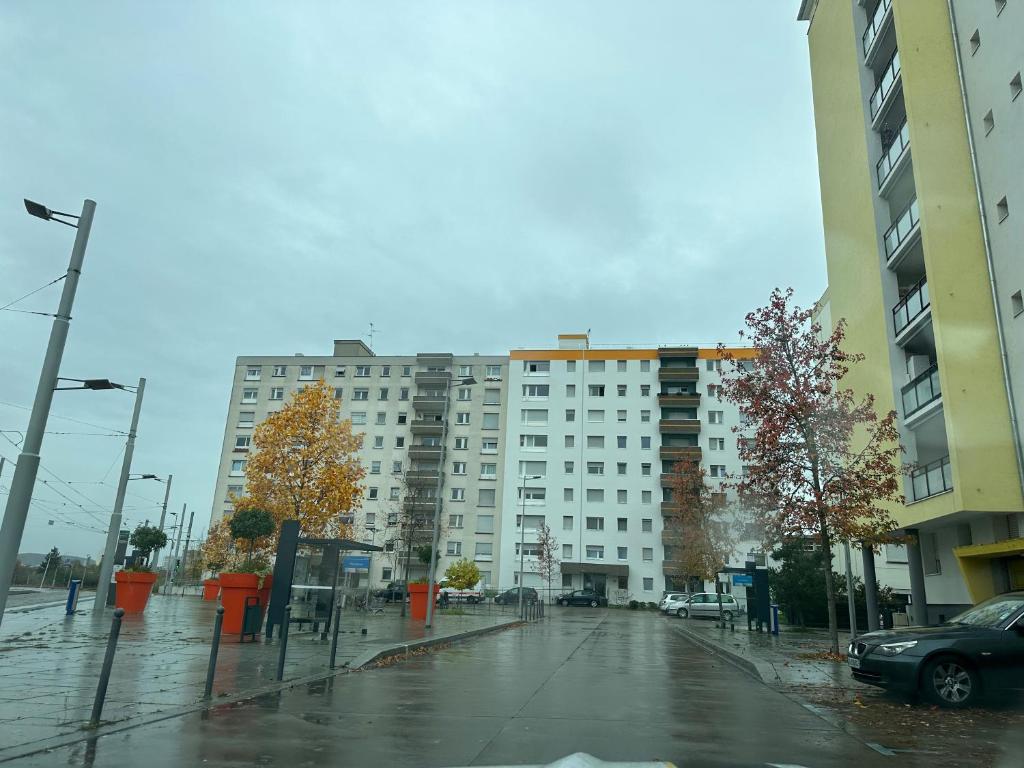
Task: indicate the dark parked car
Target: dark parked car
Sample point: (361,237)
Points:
(953,664)
(511,596)
(394,592)
(582,597)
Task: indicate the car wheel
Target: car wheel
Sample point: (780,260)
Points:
(593,603)
(726,615)
(949,682)
(682,613)
(564,603)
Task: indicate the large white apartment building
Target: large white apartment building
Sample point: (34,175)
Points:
(398,403)
(591,437)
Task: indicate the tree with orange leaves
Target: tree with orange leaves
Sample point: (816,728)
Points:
(701,538)
(305,465)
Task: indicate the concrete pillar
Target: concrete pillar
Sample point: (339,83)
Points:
(870,585)
(919,608)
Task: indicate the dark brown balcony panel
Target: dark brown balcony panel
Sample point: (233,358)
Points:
(679,401)
(678,374)
(424,451)
(669,508)
(680,452)
(670,353)
(433,428)
(679,426)
(421,476)
(434,359)
(671,537)
(432,377)
(428,403)
(672,568)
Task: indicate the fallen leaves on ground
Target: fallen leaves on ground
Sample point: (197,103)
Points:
(823,656)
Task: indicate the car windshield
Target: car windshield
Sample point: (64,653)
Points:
(992,613)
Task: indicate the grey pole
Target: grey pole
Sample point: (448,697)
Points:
(163,515)
(188,539)
(171,568)
(16,511)
(919,600)
(522,546)
(107,566)
(437,508)
(850,603)
(870,585)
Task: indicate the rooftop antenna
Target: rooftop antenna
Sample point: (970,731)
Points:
(371,335)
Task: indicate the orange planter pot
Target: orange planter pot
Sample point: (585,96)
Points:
(234,589)
(211,589)
(133,590)
(418,600)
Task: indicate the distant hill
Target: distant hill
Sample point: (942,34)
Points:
(33,559)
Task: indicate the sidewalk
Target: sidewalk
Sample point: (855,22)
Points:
(781,660)
(49,664)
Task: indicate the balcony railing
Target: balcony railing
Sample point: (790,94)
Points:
(933,478)
(911,306)
(875,24)
(892,155)
(886,83)
(898,233)
(922,390)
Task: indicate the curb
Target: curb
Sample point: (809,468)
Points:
(763,671)
(357,664)
(41,606)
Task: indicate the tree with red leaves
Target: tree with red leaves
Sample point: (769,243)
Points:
(821,463)
(700,538)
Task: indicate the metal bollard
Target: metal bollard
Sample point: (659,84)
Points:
(214,647)
(108,662)
(283,641)
(334,639)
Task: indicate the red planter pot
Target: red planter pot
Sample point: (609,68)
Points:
(418,600)
(211,589)
(133,590)
(234,589)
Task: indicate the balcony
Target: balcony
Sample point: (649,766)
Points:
(902,233)
(911,307)
(420,452)
(422,476)
(678,373)
(426,427)
(932,479)
(675,353)
(893,159)
(876,26)
(673,568)
(428,403)
(679,401)
(432,377)
(680,452)
(888,84)
(435,359)
(672,537)
(679,426)
(920,392)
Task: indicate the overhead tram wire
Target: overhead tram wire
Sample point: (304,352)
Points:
(68,418)
(10,304)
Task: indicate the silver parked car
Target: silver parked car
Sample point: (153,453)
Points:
(670,597)
(703,604)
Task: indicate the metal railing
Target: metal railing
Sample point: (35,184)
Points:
(922,390)
(892,155)
(897,234)
(885,84)
(911,306)
(935,477)
(875,24)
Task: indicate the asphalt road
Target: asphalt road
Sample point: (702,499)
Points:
(620,685)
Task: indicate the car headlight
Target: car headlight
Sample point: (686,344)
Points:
(895,649)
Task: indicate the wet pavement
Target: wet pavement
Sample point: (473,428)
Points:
(620,685)
(49,664)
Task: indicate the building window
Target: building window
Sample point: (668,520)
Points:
(620,441)
(399,441)
(362,371)
(645,469)
(595,552)
(620,496)
(358,417)
(570,467)
(361,394)
(488,471)
(718,470)
(595,441)
(536,367)
(462,417)
(536,496)
(622,524)
(382,418)
(406,371)
(484,550)
(338,392)
(233,490)
(305,373)
(378,441)
(493,396)
(570,390)
(491,420)
(533,442)
(622,553)
(714,365)
(595,467)
(385,574)
(595,494)
(489,445)
(403,393)
(620,416)
(252,373)
(374,467)
(237,468)
(570,366)
(570,441)
(455,521)
(570,414)
(486,498)
(246,418)
(530,392)
(455,548)
(371,518)
(595,390)
(645,366)
(249,395)
(595,417)
(648,553)
(595,366)
(402,417)
(485,523)
(647,525)
(645,416)
(280,370)
(533,468)
(567,494)
(621,467)
(382,393)
(622,390)
(567,551)
(645,390)
(465,371)
(715,417)
(645,497)
(459,467)
(461,443)
(535,416)
(396,469)
(1002,210)
(566,522)
(717,443)
(372,492)
(567,580)
(645,443)
(1016,302)
(648,583)
(492,371)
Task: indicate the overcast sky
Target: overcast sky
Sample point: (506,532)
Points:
(469,176)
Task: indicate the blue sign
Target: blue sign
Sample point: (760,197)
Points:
(743,579)
(353,563)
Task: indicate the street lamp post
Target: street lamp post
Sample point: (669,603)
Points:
(163,516)
(522,542)
(109,551)
(24,480)
(432,567)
